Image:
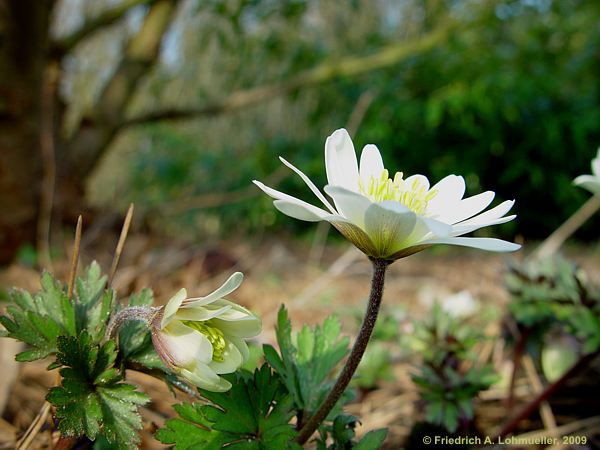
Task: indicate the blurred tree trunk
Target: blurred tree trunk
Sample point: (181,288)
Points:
(37,167)
(23,47)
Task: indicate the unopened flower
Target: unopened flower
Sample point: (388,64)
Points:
(202,338)
(392,217)
(591,182)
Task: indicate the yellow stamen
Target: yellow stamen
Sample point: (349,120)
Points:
(213,334)
(415,197)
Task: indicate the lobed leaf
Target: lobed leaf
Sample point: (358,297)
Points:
(306,368)
(254,414)
(92,400)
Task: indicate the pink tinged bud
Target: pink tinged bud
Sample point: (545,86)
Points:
(201,338)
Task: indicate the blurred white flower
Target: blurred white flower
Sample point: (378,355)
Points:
(460,304)
(390,218)
(201,338)
(591,182)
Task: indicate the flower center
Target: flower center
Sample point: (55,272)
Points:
(414,196)
(213,334)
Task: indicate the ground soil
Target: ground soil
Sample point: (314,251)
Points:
(313,280)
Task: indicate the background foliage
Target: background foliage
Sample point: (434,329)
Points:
(508,98)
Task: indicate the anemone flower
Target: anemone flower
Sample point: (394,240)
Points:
(201,338)
(390,218)
(591,182)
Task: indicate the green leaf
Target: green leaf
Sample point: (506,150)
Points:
(93,303)
(39,320)
(372,440)
(450,420)
(254,414)
(306,368)
(91,399)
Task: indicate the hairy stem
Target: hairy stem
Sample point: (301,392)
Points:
(379,268)
(142,313)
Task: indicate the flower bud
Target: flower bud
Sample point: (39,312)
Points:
(202,338)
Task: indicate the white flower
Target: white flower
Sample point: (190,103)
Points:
(591,182)
(201,338)
(392,218)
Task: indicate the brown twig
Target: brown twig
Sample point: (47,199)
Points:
(25,442)
(120,244)
(547,393)
(562,233)
(74,258)
(546,413)
(49,165)
(517,359)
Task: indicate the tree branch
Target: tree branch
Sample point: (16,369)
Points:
(97,130)
(347,67)
(65,44)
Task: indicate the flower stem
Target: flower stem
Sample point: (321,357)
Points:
(143,313)
(358,350)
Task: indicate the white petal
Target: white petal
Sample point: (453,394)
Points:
(490,244)
(184,346)
(450,190)
(205,378)
(317,212)
(371,164)
(242,347)
(200,313)
(419,180)
(297,211)
(394,206)
(244,328)
(232,360)
(232,283)
(388,228)
(351,205)
(420,232)
(596,165)
(172,306)
(491,215)
(310,184)
(436,227)
(588,182)
(340,160)
(467,208)
(236,312)
(461,228)
(584,179)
